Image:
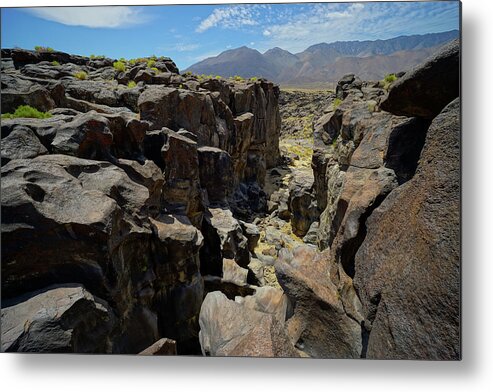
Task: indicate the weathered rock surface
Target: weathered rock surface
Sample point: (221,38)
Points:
(408,267)
(425,90)
(58,319)
(224,239)
(21,143)
(230,328)
(319,325)
(301,202)
(163,346)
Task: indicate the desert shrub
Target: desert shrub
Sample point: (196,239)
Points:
(119,66)
(254,79)
(336,103)
(372,106)
(41,49)
(238,78)
(188,73)
(81,75)
(131,84)
(218,77)
(132,62)
(151,63)
(387,80)
(26,111)
(390,78)
(55,63)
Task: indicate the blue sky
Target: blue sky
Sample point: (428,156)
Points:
(191,33)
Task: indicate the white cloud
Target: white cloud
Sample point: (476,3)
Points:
(331,22)
(232,17)
(93,17)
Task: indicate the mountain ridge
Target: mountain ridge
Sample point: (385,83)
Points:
(326,62)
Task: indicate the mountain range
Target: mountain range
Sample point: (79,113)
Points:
(326,62)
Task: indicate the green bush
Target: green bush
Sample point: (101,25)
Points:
(387,81)
(254,79)
(336,103)
(151,63)
(81,75)
(131,84)
(390,78)
(155,70)
(238,78)
(41,49)
(181,86)
(27,112)
(119,66)
(55,63)
(218,77)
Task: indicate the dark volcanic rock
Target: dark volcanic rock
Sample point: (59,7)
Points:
(319,325)
(21,143)
(408,267)
(179,285)
(110,193)
(224,239)
(181,193)
(87,136)
(59,215)
(301,203)
(58,319)
(424,91)
(18,91)
(216,174)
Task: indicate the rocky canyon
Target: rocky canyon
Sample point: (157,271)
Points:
(148,211)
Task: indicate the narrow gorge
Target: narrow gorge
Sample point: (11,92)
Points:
(148,211)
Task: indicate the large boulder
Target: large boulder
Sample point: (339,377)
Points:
(224,239)
(181,192)
(216,174)
(21,143)
(301,202)
(230,328)
(425,90)
(86,136)
(408,266)
(57,319)
(59,214)
(179,285)
(319,325)
(17,91)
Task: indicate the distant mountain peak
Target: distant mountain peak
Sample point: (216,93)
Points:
(324,62)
